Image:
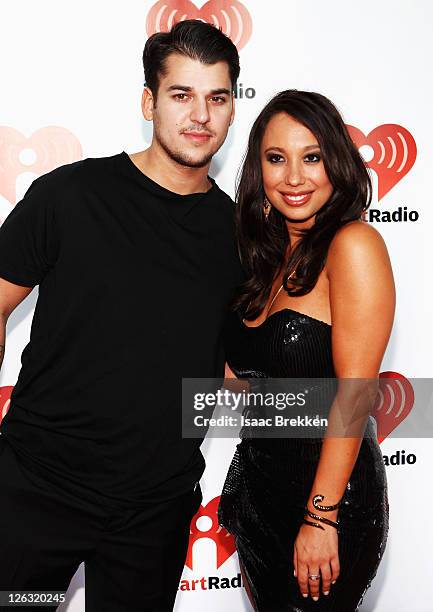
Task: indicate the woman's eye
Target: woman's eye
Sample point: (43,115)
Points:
(312,158)
(274,158)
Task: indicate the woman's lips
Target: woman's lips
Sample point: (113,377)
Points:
(297,199)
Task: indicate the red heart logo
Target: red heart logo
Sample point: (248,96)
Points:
(5,401)
(230,16)
(394,402)
(224,541)
(394,153)
(53,146)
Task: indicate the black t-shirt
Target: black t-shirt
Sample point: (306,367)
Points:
(134,284)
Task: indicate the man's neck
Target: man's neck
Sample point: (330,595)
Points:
(157,166)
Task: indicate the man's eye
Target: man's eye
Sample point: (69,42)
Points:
(218,99)
(274,158)
(181,97)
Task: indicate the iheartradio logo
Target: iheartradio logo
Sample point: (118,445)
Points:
(47,148)
(394,402)
(5,401)
(394,155)
(230,16)
(224,541)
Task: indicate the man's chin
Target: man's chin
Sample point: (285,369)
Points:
(190,161)
(188,158)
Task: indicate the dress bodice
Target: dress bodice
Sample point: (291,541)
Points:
(287,344)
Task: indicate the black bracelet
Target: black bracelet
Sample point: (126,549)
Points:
(323,519)
(313,524)
(319,498)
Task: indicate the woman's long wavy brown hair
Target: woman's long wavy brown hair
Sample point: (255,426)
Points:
(263,246)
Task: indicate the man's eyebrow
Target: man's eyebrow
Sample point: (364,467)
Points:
(181,87)
(213,92)
(221,90)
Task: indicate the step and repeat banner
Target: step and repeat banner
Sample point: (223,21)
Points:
(71,79)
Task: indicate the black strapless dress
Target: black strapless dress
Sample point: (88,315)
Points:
(269,480)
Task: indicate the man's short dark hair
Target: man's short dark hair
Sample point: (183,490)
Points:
(194,39)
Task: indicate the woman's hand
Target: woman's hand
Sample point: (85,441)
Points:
(362,300)
(316,553)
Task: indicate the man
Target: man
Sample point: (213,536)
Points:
(136,263)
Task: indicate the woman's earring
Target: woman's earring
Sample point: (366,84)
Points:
(266,208)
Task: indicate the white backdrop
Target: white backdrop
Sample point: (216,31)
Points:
(77,66)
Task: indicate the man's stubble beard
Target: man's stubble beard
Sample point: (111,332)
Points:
(181,157)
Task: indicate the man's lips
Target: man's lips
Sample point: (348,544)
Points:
(197,136)
(297,198)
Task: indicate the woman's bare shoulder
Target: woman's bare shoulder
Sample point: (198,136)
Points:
(353,243)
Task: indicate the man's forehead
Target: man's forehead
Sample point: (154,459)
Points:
(193,74)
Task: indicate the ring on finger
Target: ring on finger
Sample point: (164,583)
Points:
(314,576)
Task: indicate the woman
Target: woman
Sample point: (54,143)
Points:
(309,515)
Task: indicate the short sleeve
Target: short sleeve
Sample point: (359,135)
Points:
(28,237)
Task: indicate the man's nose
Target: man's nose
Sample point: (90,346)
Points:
(200,111)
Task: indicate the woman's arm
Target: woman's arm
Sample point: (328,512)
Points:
(362,299)
(234,384)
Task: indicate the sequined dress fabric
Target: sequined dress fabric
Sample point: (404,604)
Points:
(269,480)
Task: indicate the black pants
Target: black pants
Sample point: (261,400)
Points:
(133,558)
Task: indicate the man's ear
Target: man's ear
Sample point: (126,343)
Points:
(147,104)
(232,116)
